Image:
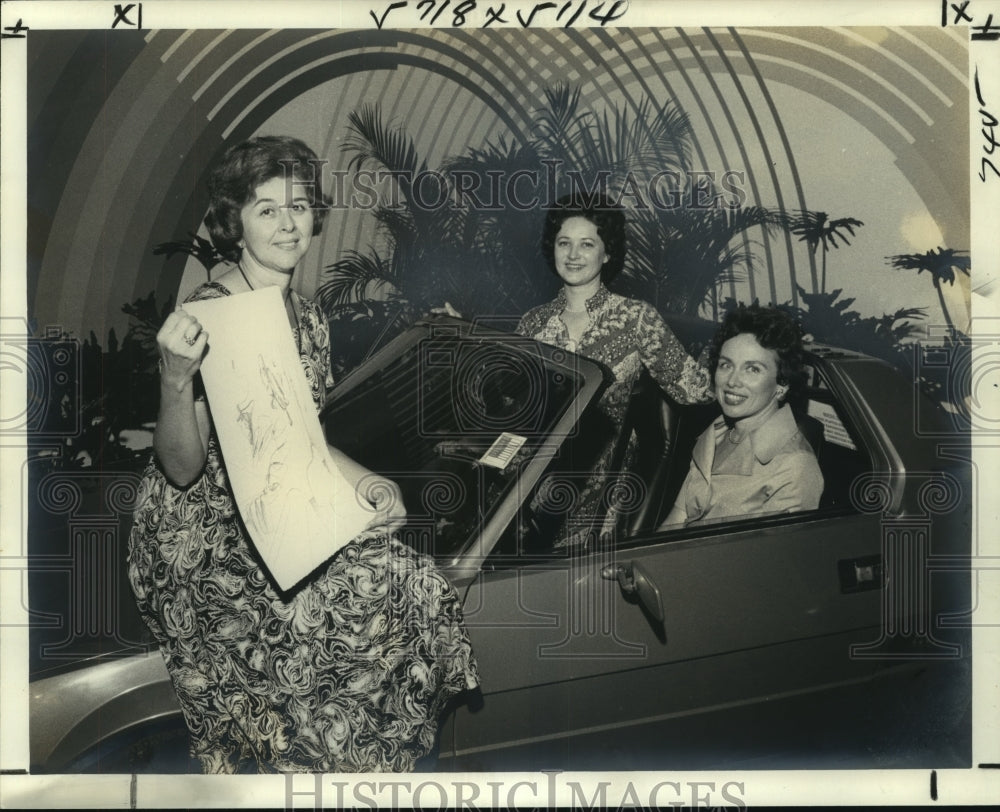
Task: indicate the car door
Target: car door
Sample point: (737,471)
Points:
(563,650)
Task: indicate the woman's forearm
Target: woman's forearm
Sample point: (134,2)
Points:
(180,438)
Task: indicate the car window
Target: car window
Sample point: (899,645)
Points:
(821,419)
(665,456)
(453,420)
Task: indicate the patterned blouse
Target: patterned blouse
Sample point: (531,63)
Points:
(624,335)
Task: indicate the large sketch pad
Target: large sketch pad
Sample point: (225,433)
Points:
(298,507)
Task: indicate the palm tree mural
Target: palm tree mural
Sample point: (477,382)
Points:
(485,259)
(941,263)
(817,229)
(428,252)
(829,319)
(680,258)
(145,320)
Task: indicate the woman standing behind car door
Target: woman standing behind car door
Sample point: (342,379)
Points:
(584,244)
(348,672)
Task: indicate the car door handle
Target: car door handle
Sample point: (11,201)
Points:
(634,580)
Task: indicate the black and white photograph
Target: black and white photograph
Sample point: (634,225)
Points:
(590,403)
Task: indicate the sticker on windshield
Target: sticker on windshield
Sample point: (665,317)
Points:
(503,450)
(833,430)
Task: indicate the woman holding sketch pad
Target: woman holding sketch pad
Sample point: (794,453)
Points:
(344,668)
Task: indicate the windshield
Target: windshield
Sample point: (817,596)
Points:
(454,419)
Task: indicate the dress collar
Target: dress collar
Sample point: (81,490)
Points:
(593,304)
(765,441)
(768,439)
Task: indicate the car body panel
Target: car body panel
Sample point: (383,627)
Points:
(74,712)
(740,596)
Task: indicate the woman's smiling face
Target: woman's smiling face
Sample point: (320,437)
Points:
(746,379)
(579,252)
(277,225)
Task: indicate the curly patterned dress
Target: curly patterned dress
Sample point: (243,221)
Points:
(625,335)
(348,674)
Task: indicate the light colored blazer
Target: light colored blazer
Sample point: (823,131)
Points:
(777,473)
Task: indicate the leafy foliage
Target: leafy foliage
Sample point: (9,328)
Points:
(679,258)
(816,229)
(117,390)
(941,264)
(198,247)
(829,320)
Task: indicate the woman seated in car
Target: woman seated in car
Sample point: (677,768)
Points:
(753,459)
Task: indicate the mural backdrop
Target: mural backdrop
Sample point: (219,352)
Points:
(867,124)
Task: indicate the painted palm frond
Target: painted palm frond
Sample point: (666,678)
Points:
(353,277)
(372,141)
(836,229)
(816,229)
(560,126)
(941,263)
(646,142)
(494,156)
(681,257)
(194,246)
(145,320)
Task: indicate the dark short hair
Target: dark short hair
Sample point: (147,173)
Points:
(243,168)
(608,218)
(774,330)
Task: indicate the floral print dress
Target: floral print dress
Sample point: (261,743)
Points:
(624,335)
(347,674)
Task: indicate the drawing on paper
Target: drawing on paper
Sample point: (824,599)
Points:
(296,504)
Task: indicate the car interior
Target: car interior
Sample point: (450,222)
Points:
(666,433)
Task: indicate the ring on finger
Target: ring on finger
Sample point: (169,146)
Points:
(189,340)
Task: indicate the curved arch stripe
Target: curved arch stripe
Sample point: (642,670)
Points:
(177,43)
(769,162)
(789,153)
(852,65)
(709,124)
(747,165)
(933,54)
(230,62)
(261,68)
(897,61)
(843,88)
(211,46)
(132,138)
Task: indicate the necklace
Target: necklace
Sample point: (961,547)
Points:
(288,296)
